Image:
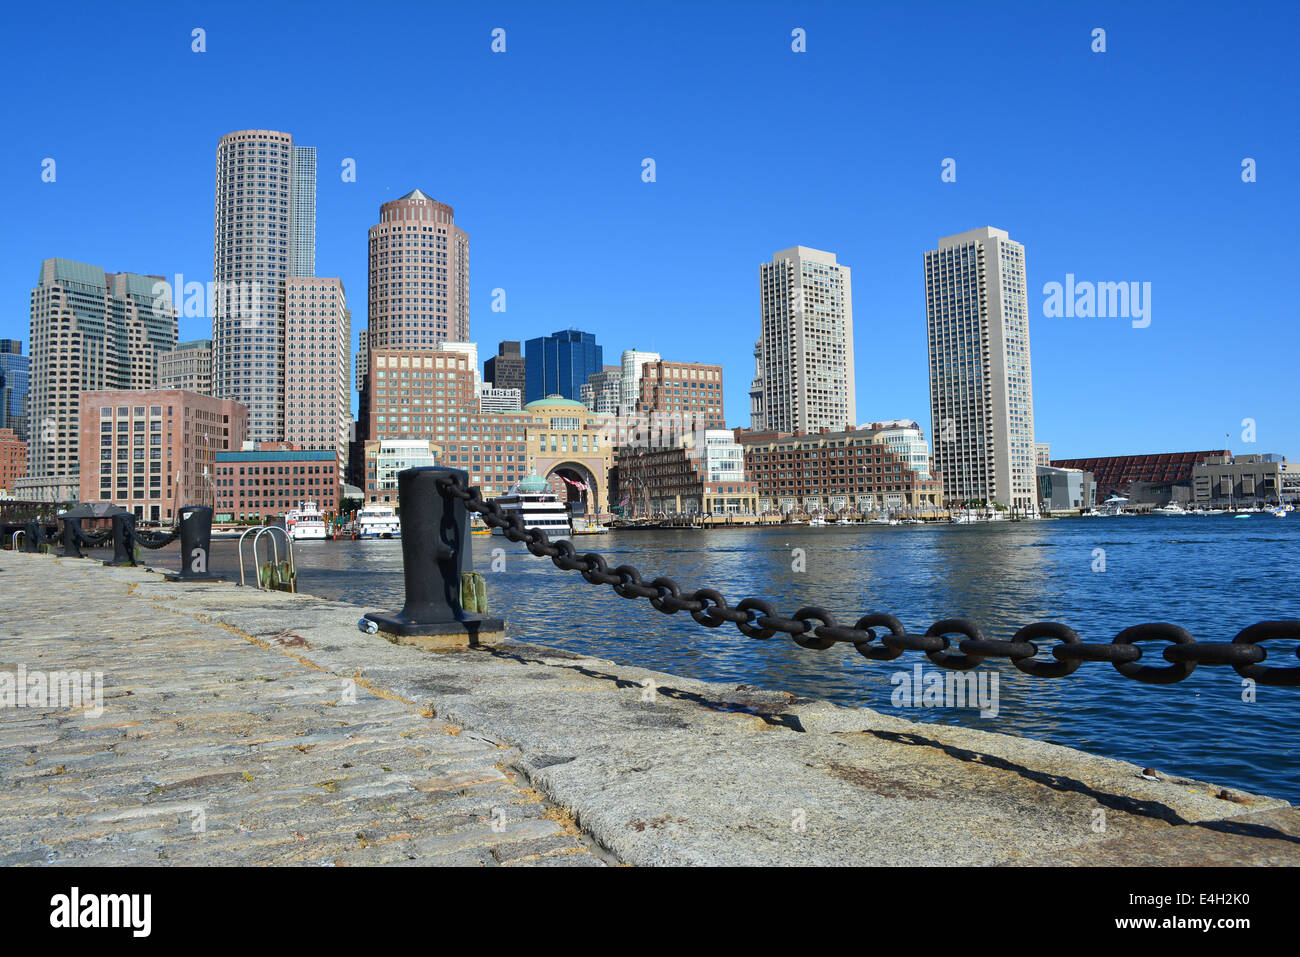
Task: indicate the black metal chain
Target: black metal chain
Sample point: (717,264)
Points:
(92,541)
(815,628)
(150,540)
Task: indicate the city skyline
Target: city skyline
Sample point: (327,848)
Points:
(1097,208)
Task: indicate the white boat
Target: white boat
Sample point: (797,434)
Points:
(817,520)
(378,521)
(1108,509)
(306,523)
(843,521)
(538,506)
(1173,508)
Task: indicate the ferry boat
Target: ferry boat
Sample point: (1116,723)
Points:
(539,507)
(377,521)
(306,523)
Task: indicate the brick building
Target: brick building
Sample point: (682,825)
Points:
(852,470)
(278,477)
(1115,474)
(153,451)
(692,390)
(13,459)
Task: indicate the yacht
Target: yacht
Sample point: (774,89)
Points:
(1173,508)
(377,521)
(1111,507)
(306,523)
(817,520)
(539,507)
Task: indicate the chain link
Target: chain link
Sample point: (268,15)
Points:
(815,628)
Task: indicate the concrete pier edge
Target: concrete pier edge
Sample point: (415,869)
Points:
(658,769)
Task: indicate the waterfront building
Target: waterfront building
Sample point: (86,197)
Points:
(14,371)
(981,385)
(692,390)
(418,393)
(154,451)
(1245,480)
(90,330)
(264,233)
(500,400)
(469,349)
(505,370)
(632,364)
(385,458)
(13,460)
(1158,474)
(567,446)
(806,342)
(906,440)
(262,484)
(602,393)
(693,478)
(1064,489)
(188,367)
(852,469)
(318,335)
(559,364)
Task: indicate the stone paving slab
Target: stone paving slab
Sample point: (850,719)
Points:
(213,748)
(688,772)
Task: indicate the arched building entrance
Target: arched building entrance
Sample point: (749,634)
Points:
(576,484)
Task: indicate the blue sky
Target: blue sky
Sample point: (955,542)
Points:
(1115,166)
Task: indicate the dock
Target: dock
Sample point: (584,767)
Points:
(246,727)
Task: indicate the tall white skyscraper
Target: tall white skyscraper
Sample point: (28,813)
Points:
(981,388)
(805,348)
(264,233)
(630,387)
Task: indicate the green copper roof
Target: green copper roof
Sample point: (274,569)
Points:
(554,401)
(533,484)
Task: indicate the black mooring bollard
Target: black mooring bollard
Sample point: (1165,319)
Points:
(33,536)
(196,545)
(71,533)
(435,550)
(123,539)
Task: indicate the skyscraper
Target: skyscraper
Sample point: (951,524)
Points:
(318,339)
(559,364)
(13,387)
(302,211)
(90,330)
(981,388)
(419,276)
(806,342)
(187,367)
(264,232)
(630,388)
(505,370)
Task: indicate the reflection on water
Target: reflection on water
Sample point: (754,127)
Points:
(1213,576)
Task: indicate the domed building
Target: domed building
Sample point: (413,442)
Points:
(569,448)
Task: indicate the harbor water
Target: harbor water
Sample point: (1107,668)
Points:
(1213,575)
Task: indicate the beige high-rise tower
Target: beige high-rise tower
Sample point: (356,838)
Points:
(981,386)
(318,337)
(804,354)
(264,233)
